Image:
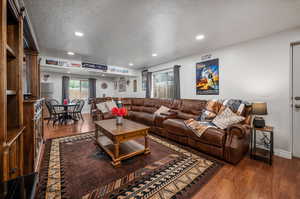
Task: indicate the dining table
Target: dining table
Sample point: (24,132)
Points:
(67,113)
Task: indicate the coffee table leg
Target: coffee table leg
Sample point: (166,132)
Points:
(116,162)
(147,149)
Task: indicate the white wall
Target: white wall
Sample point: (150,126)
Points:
(258,70)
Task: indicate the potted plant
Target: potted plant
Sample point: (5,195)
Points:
(119,113)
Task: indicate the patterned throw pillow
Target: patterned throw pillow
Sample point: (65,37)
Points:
(237,106)
(227,118)
(110,105)
(162,109)
(101,106)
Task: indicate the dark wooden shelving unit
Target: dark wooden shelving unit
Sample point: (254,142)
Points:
(10,52)
(11,91)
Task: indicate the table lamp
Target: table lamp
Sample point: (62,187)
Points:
(259,108)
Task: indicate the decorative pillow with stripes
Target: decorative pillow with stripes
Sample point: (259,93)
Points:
(227,118)
(236,105)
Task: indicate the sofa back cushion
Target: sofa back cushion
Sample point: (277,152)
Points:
(148,109)
(151,102)
(137,108)
(193,107)
(137,102)
(175,105)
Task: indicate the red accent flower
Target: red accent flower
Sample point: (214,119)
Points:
(119,111)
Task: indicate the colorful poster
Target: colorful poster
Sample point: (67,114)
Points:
(207,77)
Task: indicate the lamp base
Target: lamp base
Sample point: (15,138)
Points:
(259,122)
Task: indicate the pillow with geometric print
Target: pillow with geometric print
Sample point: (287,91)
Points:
(226,118)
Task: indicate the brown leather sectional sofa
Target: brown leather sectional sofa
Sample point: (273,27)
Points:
(230,144)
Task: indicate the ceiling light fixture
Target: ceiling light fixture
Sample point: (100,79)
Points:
(154,54)
(130,64)
(200,37)
(79,34)
(71,53)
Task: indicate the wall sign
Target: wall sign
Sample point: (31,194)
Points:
(94,66)
(207,77)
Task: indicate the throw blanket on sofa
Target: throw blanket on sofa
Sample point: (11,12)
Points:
(198,127)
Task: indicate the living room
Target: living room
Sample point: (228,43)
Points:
(136,99)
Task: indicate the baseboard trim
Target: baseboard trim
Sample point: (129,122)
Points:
(283,153)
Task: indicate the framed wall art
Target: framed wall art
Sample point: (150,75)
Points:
(207,77)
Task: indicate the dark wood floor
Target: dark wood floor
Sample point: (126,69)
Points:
(249,179)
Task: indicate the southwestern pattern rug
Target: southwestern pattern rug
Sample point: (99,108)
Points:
(75,167)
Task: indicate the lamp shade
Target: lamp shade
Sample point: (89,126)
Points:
(259,108)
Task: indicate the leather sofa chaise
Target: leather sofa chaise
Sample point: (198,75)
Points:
(230,144)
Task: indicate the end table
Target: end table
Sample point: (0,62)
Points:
(259,153)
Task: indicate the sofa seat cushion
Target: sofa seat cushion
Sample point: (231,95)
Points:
(145,118)
(211,136)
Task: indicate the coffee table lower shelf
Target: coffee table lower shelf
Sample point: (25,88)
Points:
(121,151)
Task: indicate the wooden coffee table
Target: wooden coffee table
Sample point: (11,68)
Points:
(118,140)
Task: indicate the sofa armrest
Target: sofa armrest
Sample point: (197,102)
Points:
(237,142)
(239,130)
(159,119)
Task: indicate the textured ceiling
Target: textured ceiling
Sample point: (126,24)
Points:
(121,31)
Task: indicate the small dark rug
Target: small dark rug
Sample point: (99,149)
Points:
(75,167)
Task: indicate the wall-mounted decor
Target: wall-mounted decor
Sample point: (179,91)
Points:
(205,57)
(51,61)
(207,77)
(135,85)
(118,70)
(94,66)
(122,84)
(104,85)
(144,79)
(45,78)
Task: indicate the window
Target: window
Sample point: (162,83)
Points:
(163,84)
(78,89)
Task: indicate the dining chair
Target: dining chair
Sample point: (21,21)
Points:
(54,111)
(78,109)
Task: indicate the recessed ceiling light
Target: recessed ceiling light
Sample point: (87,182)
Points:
(71,53)
(79,34)
(69,72)
(200,37)
(130,64)
(103,75)
(154,54)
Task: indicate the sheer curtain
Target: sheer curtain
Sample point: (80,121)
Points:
(163,84)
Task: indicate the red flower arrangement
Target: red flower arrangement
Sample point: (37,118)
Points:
(120,112)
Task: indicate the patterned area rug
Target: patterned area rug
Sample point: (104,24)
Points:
(75,167)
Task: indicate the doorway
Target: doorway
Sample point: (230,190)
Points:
(296,99)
